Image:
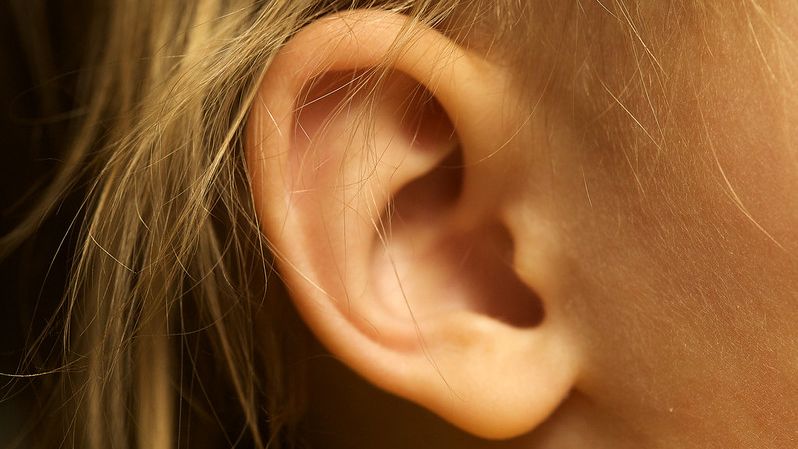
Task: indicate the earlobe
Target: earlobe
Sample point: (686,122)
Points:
(373,153)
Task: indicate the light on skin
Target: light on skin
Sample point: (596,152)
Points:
(664,185)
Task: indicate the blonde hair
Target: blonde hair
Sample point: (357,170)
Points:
(171,252)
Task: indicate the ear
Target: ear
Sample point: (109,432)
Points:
(375,150)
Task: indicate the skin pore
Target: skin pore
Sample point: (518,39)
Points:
(665,163)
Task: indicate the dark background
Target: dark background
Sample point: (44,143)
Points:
(39,58)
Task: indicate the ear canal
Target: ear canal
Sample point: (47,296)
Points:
(434,266)
(373,154)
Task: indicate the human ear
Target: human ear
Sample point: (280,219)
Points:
(375,152)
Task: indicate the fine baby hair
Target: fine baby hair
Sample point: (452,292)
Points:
(417,223)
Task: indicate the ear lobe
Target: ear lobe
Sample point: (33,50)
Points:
(379,189)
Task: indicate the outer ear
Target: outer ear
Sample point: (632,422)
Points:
(382,195)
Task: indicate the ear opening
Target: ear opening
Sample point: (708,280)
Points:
(475,267)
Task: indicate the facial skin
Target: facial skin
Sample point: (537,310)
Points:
(678,221)
(667,170)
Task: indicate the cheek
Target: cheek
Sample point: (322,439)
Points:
(683,254)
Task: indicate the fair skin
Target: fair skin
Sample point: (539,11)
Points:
(661,252)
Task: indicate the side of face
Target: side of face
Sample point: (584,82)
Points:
(598,254)
(678,212)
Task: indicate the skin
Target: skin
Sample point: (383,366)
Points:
(668,185)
